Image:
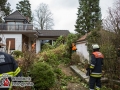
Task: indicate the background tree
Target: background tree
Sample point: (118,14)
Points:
(112,22)
(24,7)
(89,15)
(4,9)
(43,17)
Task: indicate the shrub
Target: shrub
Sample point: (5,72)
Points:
(75,58)
(66,60)
(52,56)
(42,75)
(47,46)
(59,41)
(27,61)
(17,53)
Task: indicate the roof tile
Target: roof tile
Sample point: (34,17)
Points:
(53,32)
(15,15)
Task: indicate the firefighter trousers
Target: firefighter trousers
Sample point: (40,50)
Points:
(95,82)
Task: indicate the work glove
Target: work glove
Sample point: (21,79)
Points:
(88,72)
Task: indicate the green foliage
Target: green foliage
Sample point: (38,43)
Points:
(59,41)
(52,59)
(69,40)
(42,75)
(89,16)
(5,7)
(17,53)
(65,60)
(65,79)
(93,38)
(58,71)
(105,88)
(108,50)
(47,46)
(24,7)
(110,61)
(52,56)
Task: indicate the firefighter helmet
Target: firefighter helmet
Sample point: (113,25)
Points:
(95,46)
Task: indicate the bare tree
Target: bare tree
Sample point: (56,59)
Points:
(43,17)
(112,22)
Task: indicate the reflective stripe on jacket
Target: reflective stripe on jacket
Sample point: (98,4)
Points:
(96,64)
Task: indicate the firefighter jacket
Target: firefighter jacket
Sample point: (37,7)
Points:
(96,64)
(74,48)
(8,66)
(33,46)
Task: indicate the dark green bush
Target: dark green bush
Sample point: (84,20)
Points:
(42,75)
(47,46)
(17,53)
(65,60)
(52,59)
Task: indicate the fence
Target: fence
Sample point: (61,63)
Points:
(13,27)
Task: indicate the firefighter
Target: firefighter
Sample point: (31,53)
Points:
(9,67)
(96,68)
(33,46)
(73,48)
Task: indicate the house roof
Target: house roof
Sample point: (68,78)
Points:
(83,38)
(44,33)
(39,33)
(15,16)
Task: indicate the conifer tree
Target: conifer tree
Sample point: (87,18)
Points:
(24,7)
(89,15)
(4,9)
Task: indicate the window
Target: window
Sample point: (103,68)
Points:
(12,46)
(15,26)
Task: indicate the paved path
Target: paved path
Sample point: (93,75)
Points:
(81,74)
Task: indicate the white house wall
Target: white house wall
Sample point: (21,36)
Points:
(38,46)
(18,40)
(82,49)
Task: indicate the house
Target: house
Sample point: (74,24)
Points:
(18,34)
(82,48)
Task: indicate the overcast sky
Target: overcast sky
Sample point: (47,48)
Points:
(64,11)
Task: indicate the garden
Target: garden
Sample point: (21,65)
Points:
(50,68)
